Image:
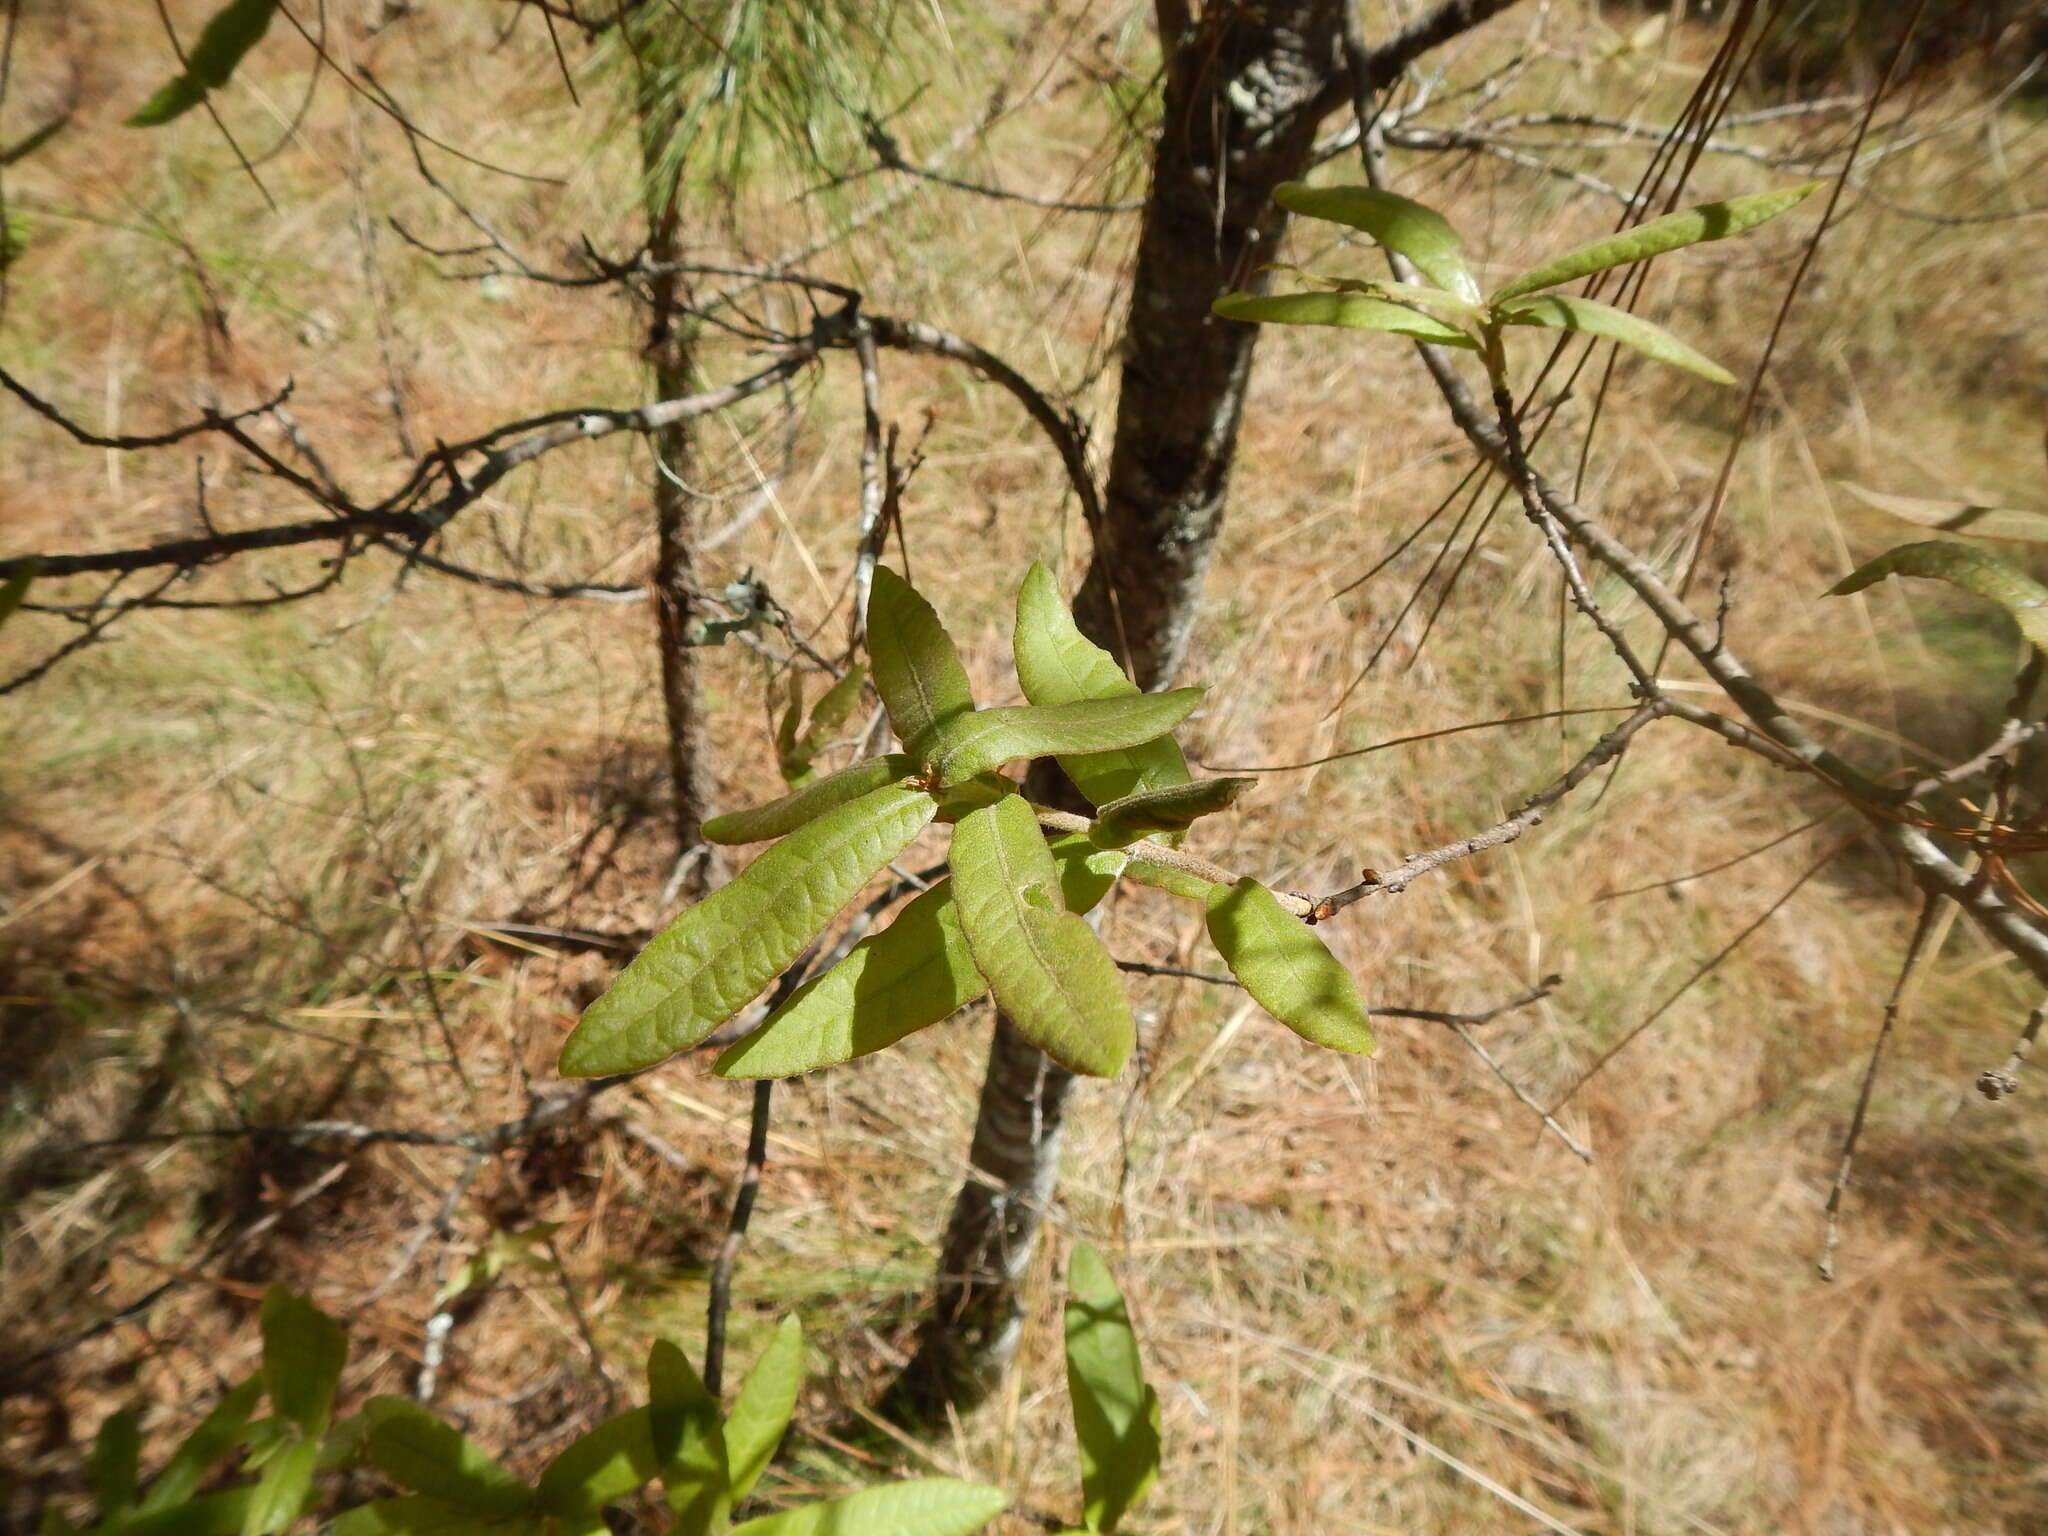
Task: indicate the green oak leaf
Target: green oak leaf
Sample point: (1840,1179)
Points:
(1047,969)
(917,668)
(1976,570)
(1172,809)
(1399,223)
(717,956)
(1288,970)
(417,1451)
(1116,1415)
(1566,312)
(761,1410)
(303,1352)
(988,738)
(1057,664)
(223,43)
(684,1425)
(1691,226)
(1347,311)
(778,818)
(930,1506)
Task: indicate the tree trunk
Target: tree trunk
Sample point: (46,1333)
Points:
(1245,89)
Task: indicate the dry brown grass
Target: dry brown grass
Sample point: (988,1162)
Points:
(244,856)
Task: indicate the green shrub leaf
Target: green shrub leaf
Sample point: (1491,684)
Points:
(1287,968)
(913,973)
(1047,969)
(303,1352)
(762,1407)
(1057,664)
(1116,1416)
(1087,869)
(207,1443)
(116,1461)
(778,818)
(416,1450)
(233,30)
(1692,226)
(713,960)
(1172,809)
(930,1506)
(1399,223)
(689,1443)
(989,738)
(1950,516)
(917,669)
(281,1492)
(1990,576)
(796,752)
(1566,312)
(1349,311)
(1177,882)
(601,1467)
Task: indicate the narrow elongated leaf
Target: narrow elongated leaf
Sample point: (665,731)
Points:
(1969,517)
(930,1506)
(796,752)
(1177,882)
(913,973)
(761,1409)
(303,1352)
(1399,223)
(1116,1416)
(1087,869)
(689,1443)
(917,669)
(1057,664)
(713,959)
(1347,311)
(988,738)
(282,1490)
(601,1467)
(1288,970)
(116,1460)
(207,1443)
(778,818)
(421,1516)
(1566,312)
(1173,809)
(1981,571)
(1402,293)
(416,1450)
(233,30)
(1047,969)
(1690,226)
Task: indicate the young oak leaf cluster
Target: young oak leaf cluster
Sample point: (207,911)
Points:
(1450,310)
(1008,920)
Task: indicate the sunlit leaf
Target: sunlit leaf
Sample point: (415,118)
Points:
(1116,1416)
(1177,882)
(303,1352)
(209,1441)
(778,818)
(1287,968)
(917,669)
(1692,226)
(989,738)
(714,959)
(1172,809)
(600,1467)
(796,752)
(1399,223)
(281,1492)
(1565,312)
(931,1506)
(1402,293)
(233,30)
(1955,516)
(689,1443)
(1057,664)
(761,1409)
(1047,969)
(209,1514)
(1348,311)
(1087,869)
(1975,569)
(416,1450)
(116,1460)
(914,973)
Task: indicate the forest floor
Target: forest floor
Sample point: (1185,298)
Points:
(255,866)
